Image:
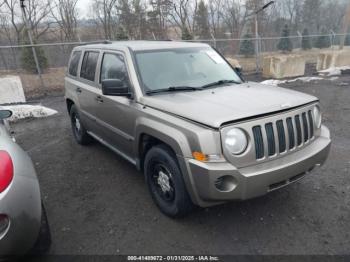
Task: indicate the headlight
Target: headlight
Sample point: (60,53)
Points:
(317,116)
(236,141)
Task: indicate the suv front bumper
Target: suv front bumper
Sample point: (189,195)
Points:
(257,180)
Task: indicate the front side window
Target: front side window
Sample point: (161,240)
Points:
(88,66)
(114,67)
(191,67)
(73,66)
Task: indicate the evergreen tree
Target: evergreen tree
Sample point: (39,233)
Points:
(157,18)
(186,35)
(27,57)
(285,44)
(202,21)
(126,18)
(306,40)
(28,62)
(323,41)
(121,34)
(247,47)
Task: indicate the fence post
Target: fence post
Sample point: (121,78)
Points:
(331,37)
(301,40)
(214,40)
(257,44)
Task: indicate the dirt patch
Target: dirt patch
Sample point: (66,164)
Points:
(53,79)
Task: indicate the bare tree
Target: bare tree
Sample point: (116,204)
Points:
(216,13)
(38,17)
(11,11)
(65,13)
(104,12)
(234,17)
(292,9)
(182,14)
(333,15)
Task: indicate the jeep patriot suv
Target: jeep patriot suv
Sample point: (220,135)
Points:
(184,117)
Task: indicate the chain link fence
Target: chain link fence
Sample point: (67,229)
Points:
(56,56)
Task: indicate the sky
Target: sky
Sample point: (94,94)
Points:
(83,6)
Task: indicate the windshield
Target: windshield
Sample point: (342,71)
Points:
(185,67)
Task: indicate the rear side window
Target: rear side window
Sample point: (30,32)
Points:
(88,67)
(74,62)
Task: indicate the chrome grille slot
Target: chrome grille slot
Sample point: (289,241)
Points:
(298,127)
(283,135)
(270,139)
(259,143)
(291,135)
(306,128)
(311,123)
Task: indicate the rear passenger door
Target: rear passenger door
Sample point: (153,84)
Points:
(88,89)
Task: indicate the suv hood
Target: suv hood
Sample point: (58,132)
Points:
(214,107)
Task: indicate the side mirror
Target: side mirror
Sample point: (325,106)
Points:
(115,87)
(5,114)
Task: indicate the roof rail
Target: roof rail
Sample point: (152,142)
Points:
(98,42)
(162,40)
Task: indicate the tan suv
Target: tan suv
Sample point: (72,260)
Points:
(181,114)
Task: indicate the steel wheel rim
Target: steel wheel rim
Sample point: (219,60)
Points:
(76,124)
(163,184)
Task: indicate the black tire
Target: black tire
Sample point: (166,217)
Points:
(79,131)
(43,243)
(172,199)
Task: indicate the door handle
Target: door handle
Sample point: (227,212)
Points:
(78,90)
(99,99)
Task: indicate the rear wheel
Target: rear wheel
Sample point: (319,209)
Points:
(165,182)
(79,131)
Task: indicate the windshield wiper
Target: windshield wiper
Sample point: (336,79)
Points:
(174,89)
(220,82)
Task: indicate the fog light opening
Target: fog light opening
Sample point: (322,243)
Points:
(226,183)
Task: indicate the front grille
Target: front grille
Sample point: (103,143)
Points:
(283,135)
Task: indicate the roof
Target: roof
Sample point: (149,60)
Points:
(145,45)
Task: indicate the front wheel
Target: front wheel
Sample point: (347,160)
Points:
(165,182)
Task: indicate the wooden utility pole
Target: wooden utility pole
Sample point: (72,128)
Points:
(346,24)
(28,28)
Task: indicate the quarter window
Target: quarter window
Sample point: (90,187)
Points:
(74,62)
(88,67)
(113,67)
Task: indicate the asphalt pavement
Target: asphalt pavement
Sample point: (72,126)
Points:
(97,203)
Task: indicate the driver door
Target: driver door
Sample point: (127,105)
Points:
(116,114)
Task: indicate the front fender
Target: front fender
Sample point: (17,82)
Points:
(174,138)
(167,134)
